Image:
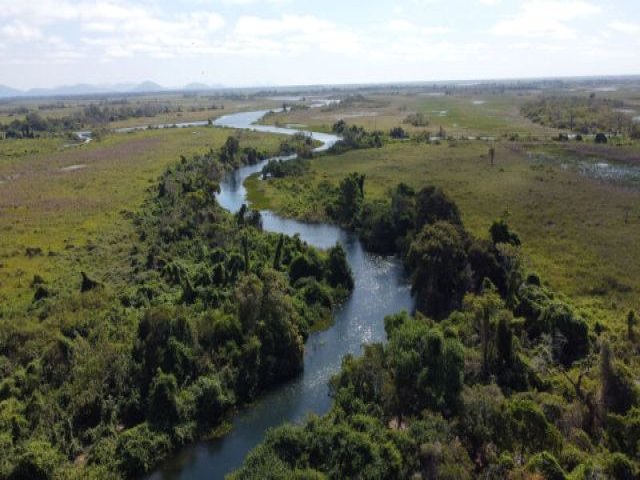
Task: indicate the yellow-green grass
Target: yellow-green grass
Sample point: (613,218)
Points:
(573,227)
(496,115)
(77,213)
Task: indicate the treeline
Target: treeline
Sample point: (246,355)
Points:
(298,144)
(494,377)
(354,137)
(91,116)
(211,312)
(585,115)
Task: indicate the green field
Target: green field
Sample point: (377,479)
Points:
(71,202)
(577,231)
(461,115)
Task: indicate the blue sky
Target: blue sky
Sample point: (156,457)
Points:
(47,43)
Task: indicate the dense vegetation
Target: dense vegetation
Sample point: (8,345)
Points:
(496,376)
(106,382)
(354,137)
(582,114)
(92,116)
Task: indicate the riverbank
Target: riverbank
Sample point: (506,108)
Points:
(380,288)
(575,228)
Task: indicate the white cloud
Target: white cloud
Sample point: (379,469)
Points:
(625,27)
(406,27)
(546,18)
(294,33)
(118,29)
(19,32)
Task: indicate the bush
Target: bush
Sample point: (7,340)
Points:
(619,467)
(559,318)
(304,266)
(338,270)
(163,409)
(530,429)
(547,465)
(501,233)
(212,401)
(140,448)
(38,461)
(601,138)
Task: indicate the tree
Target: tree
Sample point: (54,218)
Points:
(398,133)
(504,341)
(163,409)
(305,265)
(529,429)
(212,400)
(631,323)
(403,209)
(619,467)
(163,341)
(248,296)
(433,205)
(229,150)
(570,332)
(140,448)
(601,138)
(38,461)
(427,367)
(501,233)
(618,391)
(350,198)
(438,262)
(485,308)
(492,155)
(338,269)
(282,345)
(277,258)
(377,229)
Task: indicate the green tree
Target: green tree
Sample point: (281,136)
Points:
(501,233)
(163,409)
(248,295)
(631,323)
(438,262)
(427,367)
(338,270)
(350,198)
(432,205)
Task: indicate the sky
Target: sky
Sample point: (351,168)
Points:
(46,43)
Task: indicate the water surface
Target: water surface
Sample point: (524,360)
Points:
(381,288)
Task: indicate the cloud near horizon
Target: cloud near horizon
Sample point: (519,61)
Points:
(252,42)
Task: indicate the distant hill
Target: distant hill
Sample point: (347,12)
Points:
(88,89)
(8,91)
(148,86)
(196,86)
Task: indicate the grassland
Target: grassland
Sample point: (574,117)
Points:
(71,204)
(578,232)
(460,115)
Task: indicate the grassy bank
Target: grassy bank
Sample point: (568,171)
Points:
(68,205)
(577,231)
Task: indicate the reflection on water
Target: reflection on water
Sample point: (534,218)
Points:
(381,288)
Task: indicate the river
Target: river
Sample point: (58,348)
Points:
(381,288)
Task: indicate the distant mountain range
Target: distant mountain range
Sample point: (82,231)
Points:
(87,89)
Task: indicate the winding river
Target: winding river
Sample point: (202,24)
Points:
(381,288)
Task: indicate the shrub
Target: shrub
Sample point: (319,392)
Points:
(547,465)
(140,448)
